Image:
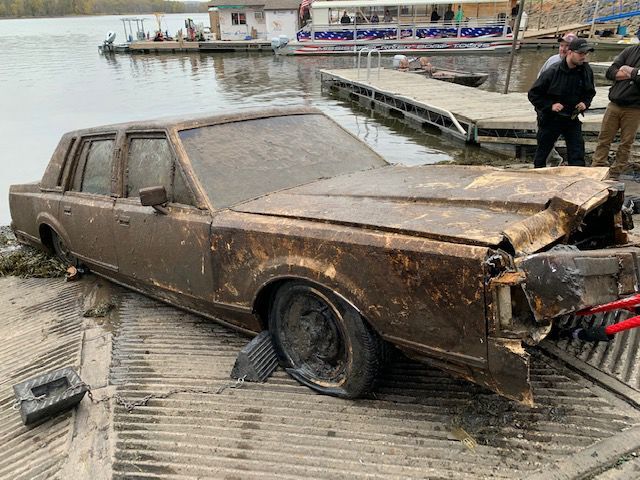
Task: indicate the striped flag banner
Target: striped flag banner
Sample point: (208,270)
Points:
(304,4)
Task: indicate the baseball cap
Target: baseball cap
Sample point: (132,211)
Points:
(569,37)
(581,45)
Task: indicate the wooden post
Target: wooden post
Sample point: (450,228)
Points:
(593,19)
(513,45)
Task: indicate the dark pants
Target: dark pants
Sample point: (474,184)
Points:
(550,127)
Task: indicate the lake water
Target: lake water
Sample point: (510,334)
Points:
(53,80)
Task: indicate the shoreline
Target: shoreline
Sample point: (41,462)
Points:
(96,15)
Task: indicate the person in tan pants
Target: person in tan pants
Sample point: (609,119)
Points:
(623,112)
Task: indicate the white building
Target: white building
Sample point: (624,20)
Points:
(254,19)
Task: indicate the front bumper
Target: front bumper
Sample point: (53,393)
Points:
(545,286)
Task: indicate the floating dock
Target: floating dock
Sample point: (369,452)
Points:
(554,31)
(489,119)
(176,46)
(600,68)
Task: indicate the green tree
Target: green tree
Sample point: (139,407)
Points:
(31,8)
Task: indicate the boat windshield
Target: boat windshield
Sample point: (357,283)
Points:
(242,160)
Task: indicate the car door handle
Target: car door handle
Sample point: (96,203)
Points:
(67,210)
(123,220)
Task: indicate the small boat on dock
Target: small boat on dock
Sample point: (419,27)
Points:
(423,66)
(402,26)
(468,79)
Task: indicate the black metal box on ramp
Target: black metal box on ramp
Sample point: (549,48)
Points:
(257,360)
(49,394)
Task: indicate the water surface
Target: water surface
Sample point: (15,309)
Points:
(53,80)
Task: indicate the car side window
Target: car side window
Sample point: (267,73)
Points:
(181,193)
(94,167)
(150,163)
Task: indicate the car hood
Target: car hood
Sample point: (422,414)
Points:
(528,208)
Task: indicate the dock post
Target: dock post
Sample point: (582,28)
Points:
(513,46)
(593,19)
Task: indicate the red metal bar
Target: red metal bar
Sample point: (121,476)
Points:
(628,324)
(626,304)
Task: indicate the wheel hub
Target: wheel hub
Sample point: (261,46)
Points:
(320,335)
(313,337)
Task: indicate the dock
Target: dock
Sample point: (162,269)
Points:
(177,46)
(610,45)
(554,31)
(489,119)
(600,68)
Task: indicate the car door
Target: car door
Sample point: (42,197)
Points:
(170,251)
(86,208)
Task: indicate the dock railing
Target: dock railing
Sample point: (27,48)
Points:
(369,52)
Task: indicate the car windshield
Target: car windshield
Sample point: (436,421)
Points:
(242,160)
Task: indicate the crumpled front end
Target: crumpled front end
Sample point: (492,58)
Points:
(586,261)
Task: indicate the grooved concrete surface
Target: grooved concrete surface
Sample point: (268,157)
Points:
(41,330)
(280,429)
(619,358)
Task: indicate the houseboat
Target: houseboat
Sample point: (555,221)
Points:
(402,26)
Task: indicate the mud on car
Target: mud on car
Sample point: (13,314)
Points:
(282,220)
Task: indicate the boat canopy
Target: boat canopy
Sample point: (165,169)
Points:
(350,4)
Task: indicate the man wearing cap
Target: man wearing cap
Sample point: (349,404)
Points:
(560,94)
(623,112)
(562,51)
(552,60)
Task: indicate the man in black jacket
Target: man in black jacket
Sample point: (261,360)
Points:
(559,95)
(623,112)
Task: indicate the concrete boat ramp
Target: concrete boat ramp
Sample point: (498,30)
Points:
(492,120)
(189,422)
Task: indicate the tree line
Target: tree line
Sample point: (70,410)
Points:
(60,8)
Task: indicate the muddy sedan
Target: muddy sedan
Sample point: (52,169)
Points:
(282,220)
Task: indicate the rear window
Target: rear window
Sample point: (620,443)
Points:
(94,167)
(242,160)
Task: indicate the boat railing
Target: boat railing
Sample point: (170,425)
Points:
(469,28)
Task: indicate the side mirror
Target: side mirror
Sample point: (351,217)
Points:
(155,197)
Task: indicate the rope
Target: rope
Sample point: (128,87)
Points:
(605,334)
(628,324)
(625,303)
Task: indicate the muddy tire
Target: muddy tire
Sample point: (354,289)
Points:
(323,342)
(62,250)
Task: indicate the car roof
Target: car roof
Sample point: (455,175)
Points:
(186,122)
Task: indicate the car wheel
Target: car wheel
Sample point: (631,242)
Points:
(323,342)
(61,250)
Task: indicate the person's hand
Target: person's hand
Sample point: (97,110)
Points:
(581,107)
(625,72)
(556,107)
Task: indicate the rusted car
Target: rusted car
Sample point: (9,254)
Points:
(282,220)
